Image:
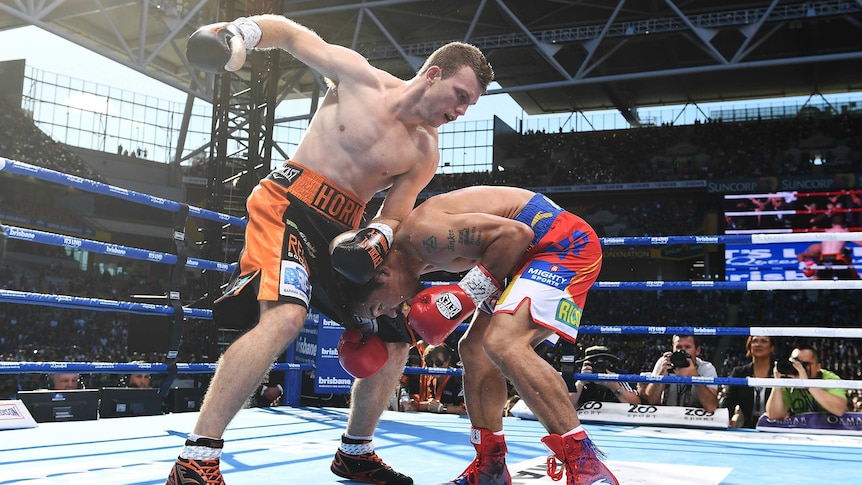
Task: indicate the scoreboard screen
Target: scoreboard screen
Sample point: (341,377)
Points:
(794,212)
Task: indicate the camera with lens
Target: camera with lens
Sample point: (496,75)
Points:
(679,359)
(785,366)
(600,366)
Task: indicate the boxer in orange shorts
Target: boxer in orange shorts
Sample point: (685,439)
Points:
(372,132)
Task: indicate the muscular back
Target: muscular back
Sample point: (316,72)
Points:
(454,231)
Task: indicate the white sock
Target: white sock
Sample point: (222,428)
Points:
(577,430)
(192,452)
(358,438)
(365,447)
(200,453)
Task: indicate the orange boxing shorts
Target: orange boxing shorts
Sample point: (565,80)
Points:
(293,215)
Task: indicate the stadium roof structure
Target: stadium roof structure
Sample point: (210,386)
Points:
(549,55)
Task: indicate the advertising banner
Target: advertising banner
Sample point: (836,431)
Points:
(330,377)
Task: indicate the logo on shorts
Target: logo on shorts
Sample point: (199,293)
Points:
(337,205)
(539,216)
(294,281)
(574,244)
(568,313)
(285,175)
(549,274)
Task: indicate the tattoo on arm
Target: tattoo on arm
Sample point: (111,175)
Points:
(430,245)
(469,236)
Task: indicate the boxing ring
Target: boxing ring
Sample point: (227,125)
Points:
(267,444)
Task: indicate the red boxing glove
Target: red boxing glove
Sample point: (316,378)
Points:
(361,356)
(807,268)
(435,312)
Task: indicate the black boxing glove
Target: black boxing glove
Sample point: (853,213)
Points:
(357,257)
(221,47)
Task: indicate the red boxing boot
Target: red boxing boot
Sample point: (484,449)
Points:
(489,466)
(582,460)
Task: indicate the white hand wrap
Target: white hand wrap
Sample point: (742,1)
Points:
(248,30)
(386,230)
(479,284)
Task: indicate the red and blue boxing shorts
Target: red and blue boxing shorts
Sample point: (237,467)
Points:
(557,271)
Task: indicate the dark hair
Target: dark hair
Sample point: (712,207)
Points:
(351,294)
(810,347)
(453,56)
(693,338)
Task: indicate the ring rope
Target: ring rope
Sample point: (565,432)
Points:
(731,381)
(27,170)
(798,230)
(824,332)
(718,331)
(46,174)
(97,304)
(49,175)
(124,368)
(52,239)
(205,368)
(101,304)
(13,296)
(730,285)
(715,285)
(732,239)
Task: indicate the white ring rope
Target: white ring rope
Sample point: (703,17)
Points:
(763,237)
(752,238)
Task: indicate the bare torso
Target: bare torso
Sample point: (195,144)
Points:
(833,247)
(357,141)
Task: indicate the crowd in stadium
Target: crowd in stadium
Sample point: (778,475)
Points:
(715,150)
(22,140)
(700,151)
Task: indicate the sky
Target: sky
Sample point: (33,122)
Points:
(48,52)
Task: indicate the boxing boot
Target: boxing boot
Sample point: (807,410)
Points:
(489,466)
(582,460)
(200,470)
(365,466)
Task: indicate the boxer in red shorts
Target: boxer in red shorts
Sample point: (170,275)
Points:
(551,259)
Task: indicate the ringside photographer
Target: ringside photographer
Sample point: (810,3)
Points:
(600,360)
(684,360)
(804,363)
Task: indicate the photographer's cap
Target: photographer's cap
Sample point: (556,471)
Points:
(598,351)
